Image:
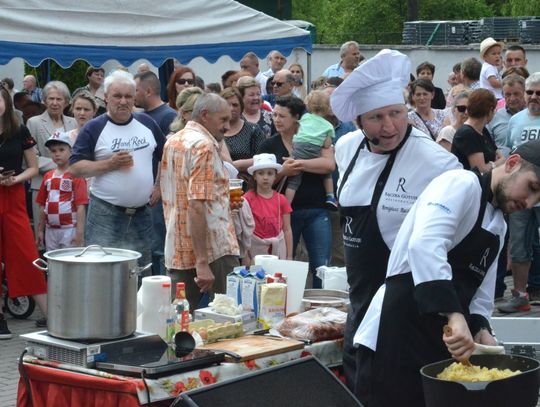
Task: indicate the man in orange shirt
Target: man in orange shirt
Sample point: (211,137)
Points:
(200,244)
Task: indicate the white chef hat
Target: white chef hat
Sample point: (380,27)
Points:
(376,83)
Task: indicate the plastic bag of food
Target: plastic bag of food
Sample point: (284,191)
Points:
(318,324)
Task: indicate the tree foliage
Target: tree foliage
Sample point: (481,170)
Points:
(376,21)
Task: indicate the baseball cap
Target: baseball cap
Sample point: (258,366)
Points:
(59,137)
(530,151)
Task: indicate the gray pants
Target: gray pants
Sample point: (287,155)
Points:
(303,151)
(220,267)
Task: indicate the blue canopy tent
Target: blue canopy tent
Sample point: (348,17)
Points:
(127,30)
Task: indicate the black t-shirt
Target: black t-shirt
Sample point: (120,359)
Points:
(311,193)
(11,150)
(467,141)
(246,142)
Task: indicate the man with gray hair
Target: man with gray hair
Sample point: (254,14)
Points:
(118,149)
(283,83)
(470,73)
(200,246)
(30,87)
(277,61)
(523,225)
(350,58)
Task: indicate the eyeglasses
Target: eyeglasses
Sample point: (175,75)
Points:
(278,84)
(533,92)
(181,81)
(461,108)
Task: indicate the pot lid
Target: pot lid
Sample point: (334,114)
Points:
(92,254)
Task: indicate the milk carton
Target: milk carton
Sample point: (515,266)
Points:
(234,283)
(251,289)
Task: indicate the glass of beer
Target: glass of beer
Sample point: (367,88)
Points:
(235,190)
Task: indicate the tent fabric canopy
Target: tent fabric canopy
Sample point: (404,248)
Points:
(101,30)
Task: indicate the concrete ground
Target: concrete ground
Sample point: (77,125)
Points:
(10,351)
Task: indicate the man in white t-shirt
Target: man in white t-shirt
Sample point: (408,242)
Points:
(121,150)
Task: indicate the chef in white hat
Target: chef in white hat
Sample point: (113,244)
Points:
(383,168)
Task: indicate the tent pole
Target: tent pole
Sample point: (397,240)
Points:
(308,83)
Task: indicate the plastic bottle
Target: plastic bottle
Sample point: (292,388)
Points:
(180,307)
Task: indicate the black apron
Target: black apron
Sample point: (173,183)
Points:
(407,340)
(366,254)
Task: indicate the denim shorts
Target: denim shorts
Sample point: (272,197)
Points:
(108,226)
(523,226)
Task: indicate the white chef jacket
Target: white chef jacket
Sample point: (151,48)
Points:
(441,218)
(418,161)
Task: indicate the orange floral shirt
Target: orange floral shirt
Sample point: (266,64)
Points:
(192,169)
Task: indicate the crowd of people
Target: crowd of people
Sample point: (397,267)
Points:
(369,167)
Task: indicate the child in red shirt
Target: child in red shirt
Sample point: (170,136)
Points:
(271,210)
(62,199)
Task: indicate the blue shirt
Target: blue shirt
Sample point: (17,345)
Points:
(334,70)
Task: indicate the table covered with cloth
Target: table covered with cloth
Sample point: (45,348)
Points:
(62,385)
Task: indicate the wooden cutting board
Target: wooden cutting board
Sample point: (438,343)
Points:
(254,346)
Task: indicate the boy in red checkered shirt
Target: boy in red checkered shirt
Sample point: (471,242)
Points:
(62,199)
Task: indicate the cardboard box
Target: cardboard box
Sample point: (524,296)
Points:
(246,317)
(519,336)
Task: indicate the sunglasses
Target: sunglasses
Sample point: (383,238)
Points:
(278,84)
(461,108)
(533,92)
(181,81)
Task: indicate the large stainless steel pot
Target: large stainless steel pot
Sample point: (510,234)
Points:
(92,292)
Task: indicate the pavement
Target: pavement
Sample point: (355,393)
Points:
(10,350)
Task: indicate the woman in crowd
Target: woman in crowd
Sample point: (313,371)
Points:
(459,113)
(250,90)
(310,218)
(182,78)
(424,117)
(243,138)
(84,108)
(95,78)
(472,143)
(17,244)
(299,89)
(426,71)
(184,105)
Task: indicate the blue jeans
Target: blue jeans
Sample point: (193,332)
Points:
(109,226)
(314,226)
(158,239)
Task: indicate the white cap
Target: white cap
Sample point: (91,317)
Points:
(262,161)
(59,137)
(376,83)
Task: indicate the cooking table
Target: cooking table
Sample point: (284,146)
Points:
(64,385)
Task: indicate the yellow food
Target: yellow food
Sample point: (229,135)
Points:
(458,372)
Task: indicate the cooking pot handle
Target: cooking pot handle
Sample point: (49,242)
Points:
(92,246)
(39,262)
(139,270)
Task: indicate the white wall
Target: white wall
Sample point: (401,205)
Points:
(323,55)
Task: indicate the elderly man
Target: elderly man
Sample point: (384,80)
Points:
(283,83)
(118,149)
(30,87)
(470,73)
(94,76)
(200,246)
(277,61)
(250,63)
(142,68)
(147,97)
(522,127)
(515,56)
(383,168)
(350,58)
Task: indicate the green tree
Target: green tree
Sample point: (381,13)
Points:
(521,8)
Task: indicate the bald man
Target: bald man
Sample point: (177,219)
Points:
(30,87)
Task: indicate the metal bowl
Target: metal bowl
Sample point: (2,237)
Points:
(316,298)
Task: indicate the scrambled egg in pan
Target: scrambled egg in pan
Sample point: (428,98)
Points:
(458,372)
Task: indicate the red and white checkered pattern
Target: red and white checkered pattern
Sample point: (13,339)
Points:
(60,194)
